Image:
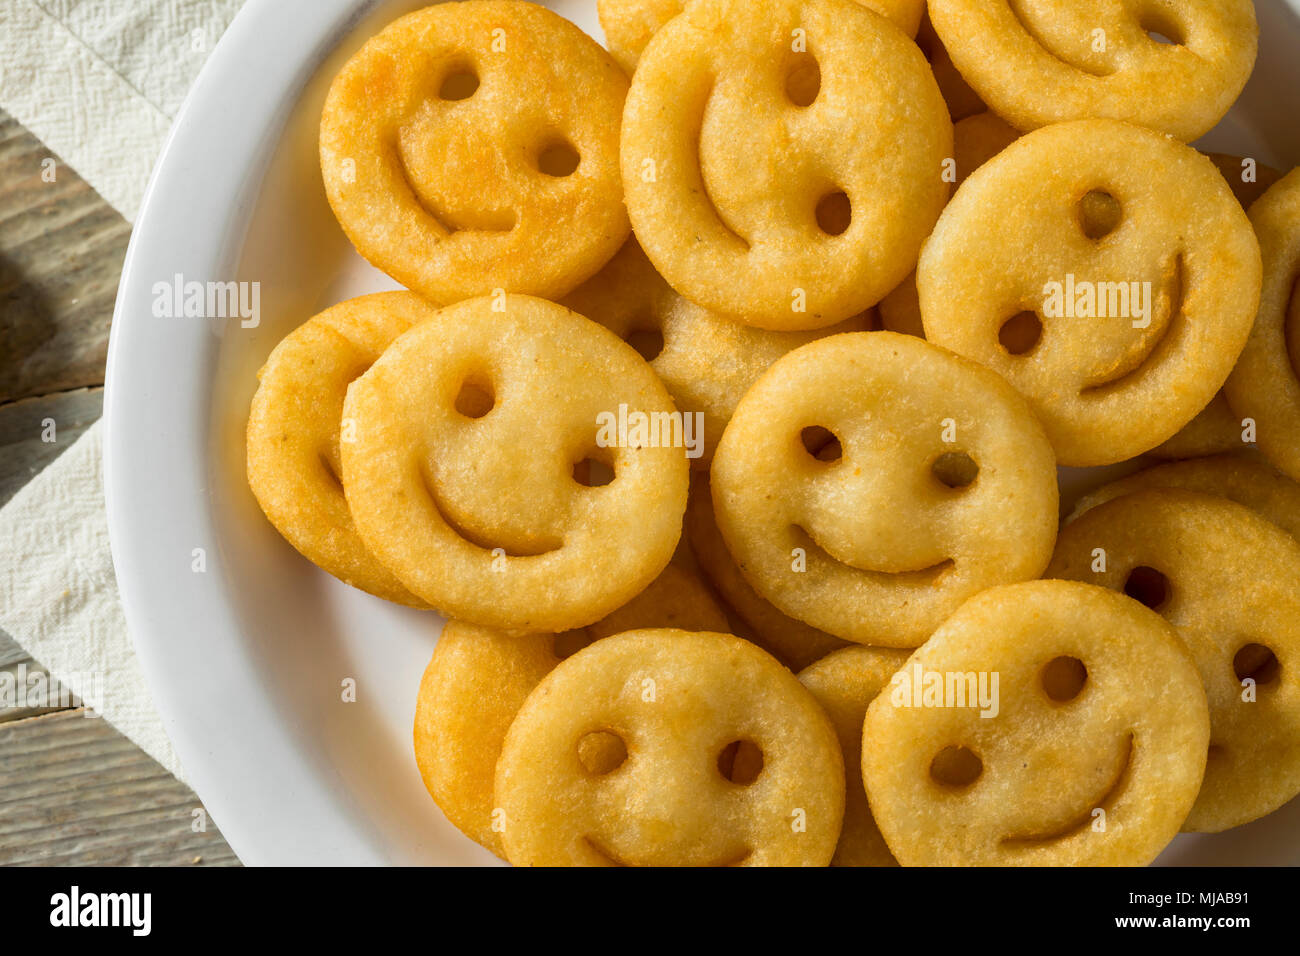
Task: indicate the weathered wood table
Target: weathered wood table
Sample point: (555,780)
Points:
(72,789)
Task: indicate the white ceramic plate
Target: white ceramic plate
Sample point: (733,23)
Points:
(246,659)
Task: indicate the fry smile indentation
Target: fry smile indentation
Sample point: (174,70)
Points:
(1177,290)
(1014,7)
(707,197)
(1084,818)
(492,220)
(544,545)
(919,575)
(732,859)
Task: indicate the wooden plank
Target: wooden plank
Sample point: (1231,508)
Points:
(24,673)
(61,251)
(78,792)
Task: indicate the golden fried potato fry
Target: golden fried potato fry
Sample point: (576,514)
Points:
(1226,579)
(1264,386)
(474,474)
(479,678)
(1247,481)
(1044,724)
(629,24)
(1118,331)
(781,160)
(473,146)
(1037,62)
(681,705)
(845,683)
(939,483)
(293,433)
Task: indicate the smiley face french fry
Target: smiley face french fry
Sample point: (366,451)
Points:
(629,24)
(1037,62)
(937,483)
(1118,329)
(1225,578)
(294,459)
(478,679)
(782,160)
(1265,386)
(1246,481)
(680,705)
(845,683)
(474,146)
(470,476)
(1090,753)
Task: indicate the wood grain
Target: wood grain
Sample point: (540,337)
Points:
(78,792)
(61,251)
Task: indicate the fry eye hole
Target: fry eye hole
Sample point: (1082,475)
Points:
(475,398)
(1020,333)
(1257,662)
(1163,29)
(834,213)
(558,159)
(955,469)
(956,767)
(741,761)
(595,469)
(1147,586)
(822,443)
(803,80)
(1099,214)
(601,752)
(460,84)
(1063,678)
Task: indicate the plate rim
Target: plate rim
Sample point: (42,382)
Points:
(296,822)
